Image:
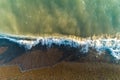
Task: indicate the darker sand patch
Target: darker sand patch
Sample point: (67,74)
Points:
(37,59)
(2,49)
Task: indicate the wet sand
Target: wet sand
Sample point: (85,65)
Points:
(64,71)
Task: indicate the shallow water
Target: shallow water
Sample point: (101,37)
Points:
(71,17)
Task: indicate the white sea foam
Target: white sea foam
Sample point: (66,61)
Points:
(101,45)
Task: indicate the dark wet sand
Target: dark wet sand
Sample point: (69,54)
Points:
(64,71)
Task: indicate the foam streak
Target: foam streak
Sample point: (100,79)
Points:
(111,46)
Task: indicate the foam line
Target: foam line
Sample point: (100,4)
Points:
(112,46)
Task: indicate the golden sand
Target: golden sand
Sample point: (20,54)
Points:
(64,71)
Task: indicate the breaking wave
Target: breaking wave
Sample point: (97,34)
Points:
(101,45)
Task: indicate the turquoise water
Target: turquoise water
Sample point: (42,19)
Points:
(69,17)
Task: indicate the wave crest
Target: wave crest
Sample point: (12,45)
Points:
(83,46)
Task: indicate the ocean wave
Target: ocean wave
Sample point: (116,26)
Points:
(109,45)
